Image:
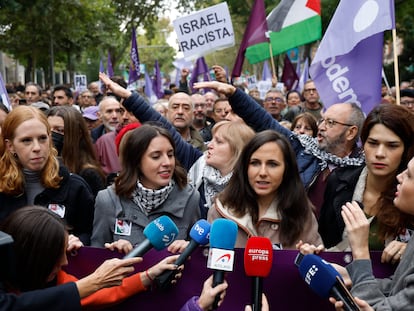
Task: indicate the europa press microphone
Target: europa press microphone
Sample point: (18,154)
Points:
(223,236)
(258,258)
(200,235)
(159,233)
(323,278)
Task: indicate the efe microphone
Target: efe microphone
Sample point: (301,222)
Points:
(325,280)
(159,233)
(199,234)
(258,258)
(223,236)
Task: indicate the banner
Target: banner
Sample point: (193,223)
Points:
(284,288)
(205,31)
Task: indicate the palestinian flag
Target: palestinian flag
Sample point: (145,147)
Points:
(292,23)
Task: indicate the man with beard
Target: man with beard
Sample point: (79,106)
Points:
(109,113)
(180,114)
(335,146)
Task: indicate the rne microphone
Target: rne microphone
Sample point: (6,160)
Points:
(258,259)
(223,236)
(159,233)
(200,235)
(326,281)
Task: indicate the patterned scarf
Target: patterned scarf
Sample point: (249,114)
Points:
(311,147)
(150,199)
(213,183)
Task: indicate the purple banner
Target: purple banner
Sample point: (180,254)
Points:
(284,287)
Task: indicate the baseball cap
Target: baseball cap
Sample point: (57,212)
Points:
(91,113)
(41,105)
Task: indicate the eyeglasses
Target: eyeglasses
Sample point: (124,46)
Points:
(276,99)
(331,123)
(407,103)
(196,106)
(310,90)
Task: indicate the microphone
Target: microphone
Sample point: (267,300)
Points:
(323,279)
(200,235)
(258,258)
(223,236)
(159,233)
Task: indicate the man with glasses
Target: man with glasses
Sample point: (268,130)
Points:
(407,98)
(200,122)
(310,104)
(274,103)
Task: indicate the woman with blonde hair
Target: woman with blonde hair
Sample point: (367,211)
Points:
(32,174)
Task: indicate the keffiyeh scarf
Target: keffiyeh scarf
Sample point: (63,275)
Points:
(213,183)
(149,199)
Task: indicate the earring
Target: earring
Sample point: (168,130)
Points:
(15,155)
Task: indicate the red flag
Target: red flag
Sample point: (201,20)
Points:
(289,76)
(255,33)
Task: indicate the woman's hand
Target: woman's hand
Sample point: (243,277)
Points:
(209,293)
(178,246)
(393,252)
(306,248)
(357,227)
(224,88)
(110,273)
(122,246)
(113,86)
(362,304)
(164,265)
(73,244)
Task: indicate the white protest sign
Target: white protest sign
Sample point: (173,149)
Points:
(205,31)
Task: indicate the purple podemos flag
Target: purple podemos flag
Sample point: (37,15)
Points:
(347,66)
(134,72)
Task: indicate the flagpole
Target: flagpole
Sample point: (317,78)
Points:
(396,73)
(272,62)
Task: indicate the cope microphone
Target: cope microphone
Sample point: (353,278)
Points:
(223,236)
(200,235)
(323,279)
(159,233)
(258,258)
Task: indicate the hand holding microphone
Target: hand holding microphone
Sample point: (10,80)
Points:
(199,234)
(258,258)
(325,280)
(223,236)
(159,233)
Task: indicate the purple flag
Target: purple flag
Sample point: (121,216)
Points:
(109,69)
(255,33)
(149,92)
(134,66)
(200,68)
(347,66)
(101,69)
(289,76)
(4,95)
(304,76)
(266,73)
(157,82)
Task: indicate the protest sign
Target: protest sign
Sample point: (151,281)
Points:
(205,31)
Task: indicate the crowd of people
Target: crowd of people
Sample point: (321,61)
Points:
(96,167)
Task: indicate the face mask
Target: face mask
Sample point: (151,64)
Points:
(58,142)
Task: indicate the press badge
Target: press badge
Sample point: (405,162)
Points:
(57,209)
(122,227)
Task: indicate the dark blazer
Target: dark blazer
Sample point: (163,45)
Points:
(64,297)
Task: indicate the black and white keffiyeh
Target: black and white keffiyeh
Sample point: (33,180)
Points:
(311,147)
(213,183)
(149,199)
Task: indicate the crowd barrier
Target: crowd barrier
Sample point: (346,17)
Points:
(284,287)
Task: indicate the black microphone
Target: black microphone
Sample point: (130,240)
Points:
(199,234)
(323,279)
(223,236)
(159,233)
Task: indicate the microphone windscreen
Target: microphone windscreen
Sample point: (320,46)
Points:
(223,234)
(318,274)
(161,232)
(258,256)
(200,232)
